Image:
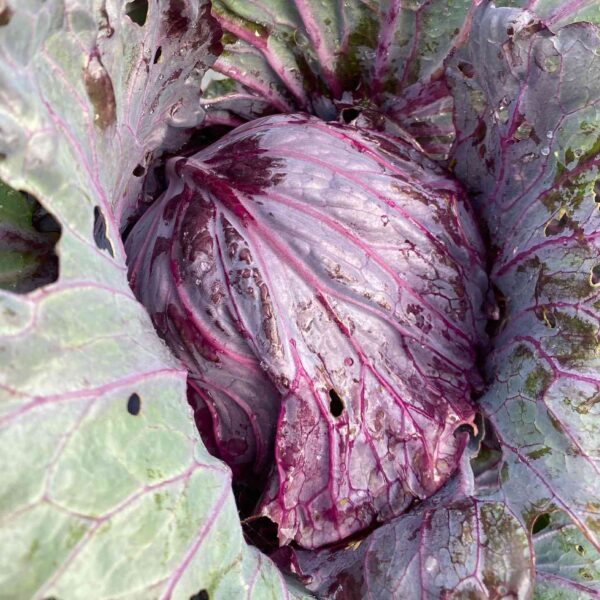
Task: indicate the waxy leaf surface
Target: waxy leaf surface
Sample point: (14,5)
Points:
(107,490)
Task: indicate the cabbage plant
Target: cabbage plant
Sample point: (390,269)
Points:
(299,299)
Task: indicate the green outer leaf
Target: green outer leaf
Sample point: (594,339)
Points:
(568,566)
(96,502)
(309,55)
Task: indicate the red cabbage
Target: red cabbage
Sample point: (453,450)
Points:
(324,286)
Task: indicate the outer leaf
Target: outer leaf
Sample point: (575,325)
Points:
(308,55)
(567,565)
(325,286)
(451,547)
(558,13)
(527,110)
(106,489)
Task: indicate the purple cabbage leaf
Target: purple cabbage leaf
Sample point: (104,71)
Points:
(324,286)
(528,139)
(394,354)
(451,546)
(107,490)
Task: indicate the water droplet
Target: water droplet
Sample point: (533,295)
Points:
(501,113)
(549,134)
(545,151)
(529,157)
(348,362)
(385,220)
(578,152)
(431,564)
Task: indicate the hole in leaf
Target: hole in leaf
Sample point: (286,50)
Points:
(595,275)
(580,549)
(139,171)
(28,237)
(137,11)
(498,316)
(467,69)
(261,532)
(479,134)
(597,191)
(134,404)
(102,242)
(201,595)
(104,27)
(157,55)
(557,225)
(41,219)
(541,522)
(550,318)
(546,314)
(349,114)
(336,406)
(6,14)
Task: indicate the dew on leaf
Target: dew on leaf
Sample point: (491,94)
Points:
(431,564)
